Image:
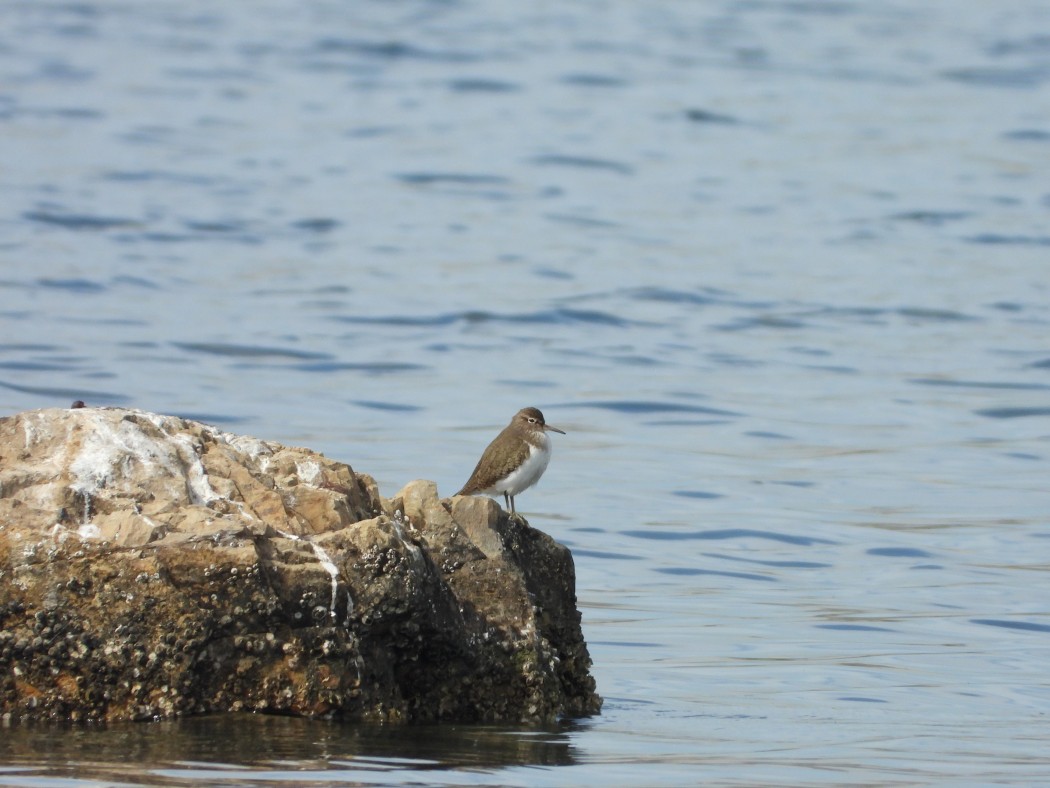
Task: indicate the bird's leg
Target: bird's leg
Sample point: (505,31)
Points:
(512,510)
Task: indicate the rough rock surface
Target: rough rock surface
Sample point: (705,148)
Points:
(152,566)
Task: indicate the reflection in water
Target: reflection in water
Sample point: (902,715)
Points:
(146,753)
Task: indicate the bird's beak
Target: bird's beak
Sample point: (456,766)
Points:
(553,429)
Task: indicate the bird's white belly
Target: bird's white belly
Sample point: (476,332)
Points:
(527,474)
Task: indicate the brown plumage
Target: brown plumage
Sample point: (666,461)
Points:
(515,459)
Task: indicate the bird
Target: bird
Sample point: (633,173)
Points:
(515,460)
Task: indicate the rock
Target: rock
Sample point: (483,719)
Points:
(153,567)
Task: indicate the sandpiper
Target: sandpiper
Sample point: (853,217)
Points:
(515,460)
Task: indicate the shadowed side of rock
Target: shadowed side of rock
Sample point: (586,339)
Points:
(153,567)
(516,591)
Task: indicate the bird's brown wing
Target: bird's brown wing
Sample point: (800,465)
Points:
(495,463)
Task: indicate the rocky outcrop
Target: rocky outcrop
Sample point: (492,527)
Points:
(152,566)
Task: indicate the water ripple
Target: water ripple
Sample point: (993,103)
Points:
(934,315)
(581,221)
(249,351)
(932,218)
(703,297)
(583,162)
(374,367)
(854,627)
(159,176)
(983,76)
(1028,135)
(482,85)
(29,346)
(456,178)
(593,80)
(698,494)
(726,533)
(321,224)
(78,221)
(806,316)
(605,555)
(687,571)
(980,384)
(70,393)
(33,366)
(773,563)
(1026,626)
(648,406)
(386,406)
(899,552)
(1012,413)
(393,50)
(553,317)
(998,239)
(74,285)
(707,116)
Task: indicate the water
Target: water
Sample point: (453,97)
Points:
(778,268)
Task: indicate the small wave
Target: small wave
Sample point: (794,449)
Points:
(764,562)
(558,316)
(249,351)
(456,178)
(577,552)
(159,176)
(1027,626)
(899,552)
(581,221)
(688,571)
(387,406)
(79,221)
(29,346)
(1012,413)
(707,116)
(583,162)
(932,218)
(593,80)
(939,315)
(854,627)
(482,85)
(649,406)
(62,393)
(665,295)
(34,366)
(998,77)
(393,50)
(727,533)
(980,384)
(318,225)
(998,239)
(73,285)
(1028,135)
(374,367)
